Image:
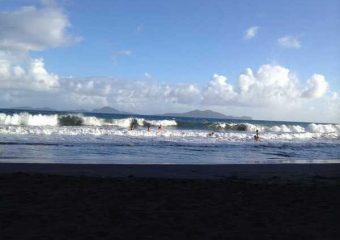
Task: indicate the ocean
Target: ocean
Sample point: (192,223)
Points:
(64,137)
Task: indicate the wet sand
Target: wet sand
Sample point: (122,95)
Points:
(52,201)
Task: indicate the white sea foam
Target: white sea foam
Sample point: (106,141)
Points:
(164,123)
(54,124)
(170,133)
(27,119)
(324,128)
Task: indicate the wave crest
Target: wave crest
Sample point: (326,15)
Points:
(27,119)
(61,120)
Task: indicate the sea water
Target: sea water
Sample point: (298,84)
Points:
(64,137)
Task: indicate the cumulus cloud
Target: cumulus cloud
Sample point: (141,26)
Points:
(184,94)
(251,32)
(90,86)
(317,87)
(218,91)
(270,84)
(271,89)
(30,75)
(289,42)
(32,29)
(87,101)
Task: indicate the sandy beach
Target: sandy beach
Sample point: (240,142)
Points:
(56,201)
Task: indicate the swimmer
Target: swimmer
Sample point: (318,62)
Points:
(257,137)
(210,134)
(148,125)
(160,127)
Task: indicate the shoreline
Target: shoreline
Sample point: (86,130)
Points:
(178,171)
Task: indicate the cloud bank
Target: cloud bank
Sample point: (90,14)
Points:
(270,90)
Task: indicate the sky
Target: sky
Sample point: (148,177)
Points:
(273,60)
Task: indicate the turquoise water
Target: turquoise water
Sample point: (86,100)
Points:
(63,137)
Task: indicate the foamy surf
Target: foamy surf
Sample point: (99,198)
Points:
(104,138)
(192,135)
(27,119)
(78,124)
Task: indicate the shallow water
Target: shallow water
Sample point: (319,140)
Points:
(57,137)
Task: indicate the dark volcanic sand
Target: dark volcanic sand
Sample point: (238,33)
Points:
(40,206)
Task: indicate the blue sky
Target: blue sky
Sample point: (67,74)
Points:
(186,42)
(189,40)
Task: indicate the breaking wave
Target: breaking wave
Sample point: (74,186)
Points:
(78,124)
(169,133)
(27,119)
(283,128)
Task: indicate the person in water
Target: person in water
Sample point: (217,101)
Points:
(210,134)
(160,128)
(257,137)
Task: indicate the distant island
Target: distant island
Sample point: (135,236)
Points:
(206,114)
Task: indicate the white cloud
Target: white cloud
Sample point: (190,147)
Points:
(147,75)
(317,87)
(218,91)
(87,101)
(89,87)
(271,91)
(251,32)
(289,42)
(269,85)
(124,52)
(30,75)
(31,29)
(184,94)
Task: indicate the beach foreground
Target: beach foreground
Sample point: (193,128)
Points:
(161,202)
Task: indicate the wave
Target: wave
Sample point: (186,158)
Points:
(253,127)
(249,128)
(228,126)
(27,119)
(88,132)
(283,128)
